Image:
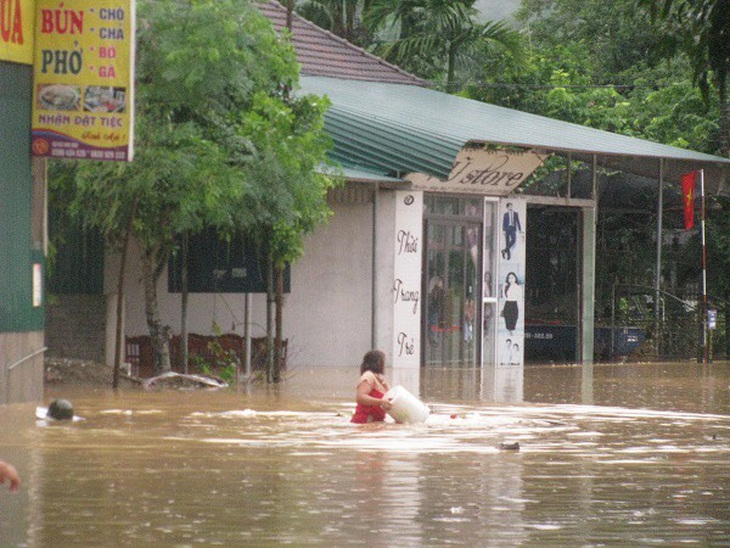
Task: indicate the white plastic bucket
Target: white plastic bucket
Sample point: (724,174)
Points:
(407,408)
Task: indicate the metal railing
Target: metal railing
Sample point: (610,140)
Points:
(674,327)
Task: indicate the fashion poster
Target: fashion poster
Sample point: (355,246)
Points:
(511,283)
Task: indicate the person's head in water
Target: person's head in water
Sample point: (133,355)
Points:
(374,361)
(60,410)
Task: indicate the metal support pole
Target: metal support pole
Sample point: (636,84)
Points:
(613,320)
(247,333)
(658,273)
(570,176)
(705,355)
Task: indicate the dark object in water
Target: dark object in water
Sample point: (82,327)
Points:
(61,410)
(509,446)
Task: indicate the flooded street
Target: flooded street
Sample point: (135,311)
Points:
(634,454)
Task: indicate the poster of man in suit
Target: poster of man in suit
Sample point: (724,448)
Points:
(511,226)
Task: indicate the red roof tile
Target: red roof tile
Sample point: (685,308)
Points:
(321,53)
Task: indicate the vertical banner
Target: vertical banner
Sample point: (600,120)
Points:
(407,279)
(511,283)
(688,198)
(83,95)
(16,31)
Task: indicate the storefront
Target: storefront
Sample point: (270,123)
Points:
(426,253)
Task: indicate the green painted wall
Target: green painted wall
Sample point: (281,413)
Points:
(17,313)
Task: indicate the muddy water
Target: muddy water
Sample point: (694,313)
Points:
(608,455)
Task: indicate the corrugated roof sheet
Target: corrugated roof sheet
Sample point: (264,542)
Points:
(403,128)
(385,120)
(321,53)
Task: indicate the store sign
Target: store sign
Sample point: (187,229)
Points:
(16,31)
(407,279)
(485,172)
(83,100)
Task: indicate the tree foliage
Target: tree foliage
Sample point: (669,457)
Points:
(699,29)
(434,39)
(220,139)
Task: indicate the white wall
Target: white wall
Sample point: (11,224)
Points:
(327,314)
(385,262)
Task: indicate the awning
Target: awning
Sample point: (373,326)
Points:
(395,129)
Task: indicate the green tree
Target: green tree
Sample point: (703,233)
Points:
(434,38)
(701,30)
(615,36)
(598,64)
(219,140)
(337,16)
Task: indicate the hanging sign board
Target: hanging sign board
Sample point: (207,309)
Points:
(485,172)
(711,318)
(83,100)
(16,31)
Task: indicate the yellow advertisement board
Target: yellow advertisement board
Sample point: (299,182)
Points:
(83,94)
(16,31)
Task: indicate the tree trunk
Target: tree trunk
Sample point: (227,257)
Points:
(184,305)
(350,9)
(269,317)
(159,334)
(119,336)
(724,121)
(451,60)
(289,10)
(278,341)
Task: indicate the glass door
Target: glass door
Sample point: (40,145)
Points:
(452,292)
(489,282)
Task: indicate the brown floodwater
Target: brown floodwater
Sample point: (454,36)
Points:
(622,454)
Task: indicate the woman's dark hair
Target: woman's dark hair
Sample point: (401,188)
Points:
(373,361)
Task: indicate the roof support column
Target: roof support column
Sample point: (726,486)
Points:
(569,191)
(658,274)
(374,275)
(588,273)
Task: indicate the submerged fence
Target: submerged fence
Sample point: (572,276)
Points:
(205,353)
(675,328)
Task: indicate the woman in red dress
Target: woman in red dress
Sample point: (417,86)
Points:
(372,386)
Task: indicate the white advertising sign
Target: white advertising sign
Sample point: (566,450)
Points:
(511,291)
(407,279)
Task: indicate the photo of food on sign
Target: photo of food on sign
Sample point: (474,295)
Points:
(105,99)
(58,97)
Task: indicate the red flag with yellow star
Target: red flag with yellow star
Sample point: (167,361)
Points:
(688,198)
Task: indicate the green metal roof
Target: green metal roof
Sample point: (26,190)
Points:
(358,174)
(396,129)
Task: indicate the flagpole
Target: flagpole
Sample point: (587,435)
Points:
(705,356)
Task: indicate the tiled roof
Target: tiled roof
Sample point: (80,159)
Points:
(321,53)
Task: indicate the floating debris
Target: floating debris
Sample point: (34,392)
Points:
(182,381)
(61,410)
(504,446)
